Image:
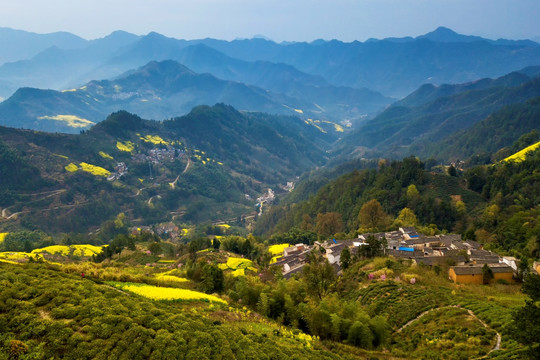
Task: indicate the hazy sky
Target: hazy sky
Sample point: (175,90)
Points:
(289,20)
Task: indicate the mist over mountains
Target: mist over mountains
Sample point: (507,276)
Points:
(393,67)
(444,82)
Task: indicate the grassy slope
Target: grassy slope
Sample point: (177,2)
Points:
(60,315)
(57,313)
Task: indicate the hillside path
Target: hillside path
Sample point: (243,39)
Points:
(173,184)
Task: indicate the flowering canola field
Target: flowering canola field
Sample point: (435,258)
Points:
(65,250)
(165,293)
(94,170)
(277,249)
(521,155)
(171,278)
(128,146)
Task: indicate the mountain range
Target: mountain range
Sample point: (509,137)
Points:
(394,67)
(162,90)
(419,123)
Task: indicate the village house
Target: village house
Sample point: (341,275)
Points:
(292,250)
(409,233)
(293,260)
(511,261)
(483,257)
(473,274)
(333,253)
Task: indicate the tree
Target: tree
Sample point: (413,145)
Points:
(216,243)
(372,217)
(155,248)
(307,223)
(381,331)
(212,279)
(412,192)
(525,326)
(461,208)
(373,247)
(360,335)
(16,349)
(318,274)
(329,224)
(406,217)
(531,286)
(487,274)
(345,258)
(476,178)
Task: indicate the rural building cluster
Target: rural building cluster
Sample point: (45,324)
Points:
(157,156)
(465,258)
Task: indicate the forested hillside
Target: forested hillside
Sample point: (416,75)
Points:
(395,185)
(499,130)
(486,203)
(433,118)
(210,164)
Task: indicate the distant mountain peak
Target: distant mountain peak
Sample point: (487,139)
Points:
(155,36)
(166,65)
(444,31)
(444,34)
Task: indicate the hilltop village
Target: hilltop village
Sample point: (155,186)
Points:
(467,259)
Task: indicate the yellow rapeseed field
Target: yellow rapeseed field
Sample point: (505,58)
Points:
(277,249)
(128,146)
(154,139)
(338,128)
(95,170)
(65,250)
(239,272)
(14,257)
(522,155)
(238,263)
(71,167)
(105,155)
(70,120)
(3,236)
(165,293)
(171,278)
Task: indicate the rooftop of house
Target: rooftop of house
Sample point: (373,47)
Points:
(377,236)
(448,239)
(449,252)
(393,235)
(409,231)
(477,269)
(487,260)
(473,244)
(406,254)
(481,253)
(293,271)
(336,248)
(415,241)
